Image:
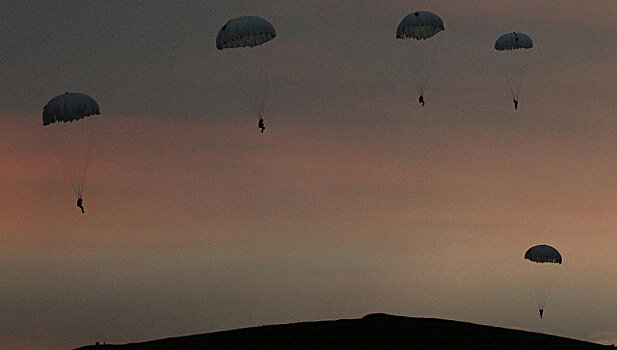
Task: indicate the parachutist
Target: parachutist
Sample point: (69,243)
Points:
(541,312)
(80,204)
(421,100)
(515,103)
(261,125)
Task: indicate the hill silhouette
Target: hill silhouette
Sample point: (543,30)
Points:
(374,331)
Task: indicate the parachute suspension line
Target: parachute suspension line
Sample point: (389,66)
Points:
(244,61)
(245,91)
(77,161)
(266,76)
(67,172)
(254,85)
(430,60)
(524,64)
(87,154)
(419,57)
(508,72)
(413,62)
(511,72)
(515,67)
(69,141)
(543,277)
(534,271)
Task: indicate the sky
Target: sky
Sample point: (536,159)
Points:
(355,200)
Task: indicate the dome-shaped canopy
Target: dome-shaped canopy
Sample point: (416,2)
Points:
(245,31)
(543,254)
(513,41)
(68,107)
(419,25)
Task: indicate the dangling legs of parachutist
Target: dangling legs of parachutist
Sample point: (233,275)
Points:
(421,100)
(80,204)
(262,125)
(515,103)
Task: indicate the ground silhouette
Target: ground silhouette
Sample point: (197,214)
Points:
(375,331)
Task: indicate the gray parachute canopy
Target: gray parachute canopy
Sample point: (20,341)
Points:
(245,31)
(68,107)
(513,41)
(419,25)
(543,254)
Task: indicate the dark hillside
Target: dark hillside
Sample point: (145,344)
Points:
(376,331)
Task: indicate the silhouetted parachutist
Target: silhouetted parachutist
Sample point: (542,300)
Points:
(80,204)
(261,125)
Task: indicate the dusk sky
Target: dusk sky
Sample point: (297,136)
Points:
(355,199)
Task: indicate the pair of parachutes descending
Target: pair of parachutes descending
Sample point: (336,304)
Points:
(421,43)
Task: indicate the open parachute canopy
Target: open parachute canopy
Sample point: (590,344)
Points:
(513,41)
(419,25)
(543,254)
(245,31)
(68,107)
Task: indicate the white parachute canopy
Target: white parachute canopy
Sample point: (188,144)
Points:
(515,50)
(242,40)
(544,261)
(417,33)
(67,117)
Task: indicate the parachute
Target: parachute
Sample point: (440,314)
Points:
(516,50)
(417,33)
(67,118)
(543,254)
(543,263)
(242,39)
